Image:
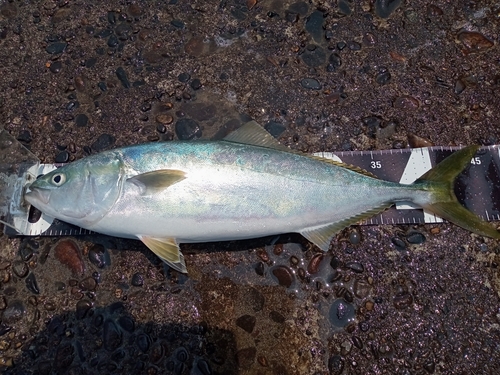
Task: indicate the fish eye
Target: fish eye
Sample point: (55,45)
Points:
(58,179)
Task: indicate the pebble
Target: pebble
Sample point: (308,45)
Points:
(358,343)
(81,120)
(314,263)
(32,284)
(355,237)
(56,48)
(122,77)
(88,284)
(474,41)
(341,313)
(361,289)
(103,142)
(284,275)
(459,86)
(369,39)
(137,279)
(20,268)
(186,129)
(277,317)
(354,46)
(184,77)
(383,77)
(14,312)
(98,256)
(415,238)
(164,119)
(112,41)
(55,67)
(24,136)
(260,268)
(336,365)
(314,25)
(62,157)
(415,141)
(384,8)
(406,102)
(67,252)
(82,308)
(275,128)
(310,83)
(246,322)
(196,84)
(355,266)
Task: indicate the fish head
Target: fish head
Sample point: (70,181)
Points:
(79,193)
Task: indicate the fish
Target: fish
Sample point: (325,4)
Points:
(244,186)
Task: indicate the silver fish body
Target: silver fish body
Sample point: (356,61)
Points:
(243,187)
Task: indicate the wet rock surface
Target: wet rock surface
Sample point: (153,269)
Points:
(79,78)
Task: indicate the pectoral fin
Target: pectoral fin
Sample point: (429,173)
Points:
(155,181)
(322,236)
(167,250)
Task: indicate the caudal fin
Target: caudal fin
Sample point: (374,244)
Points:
(440,180)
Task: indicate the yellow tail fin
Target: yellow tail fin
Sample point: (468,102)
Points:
(440,180)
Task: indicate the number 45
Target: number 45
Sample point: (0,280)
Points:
(475,160)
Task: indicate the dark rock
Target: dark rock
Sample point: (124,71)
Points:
(81,120)
(399,243)
(314,25)
(88,284)
(186,129)
(336,365)
(355,266)
(345,7)
(137,279)
(13,313)
(122,76)
(354,46)
(82,308)
(99,256)
(62,157)
(196,84)
(314,263)
(277,317)
(184,77)
(102,86)
(300,7)
(55,67)
(383,77)
(56,48)
(284,275)
(246,322)
(20,268)
(177,23)
(260,269)
(112,41)
(275,128)
(103,142)
(32,284)
(415,238)
(310,83)
(24,136)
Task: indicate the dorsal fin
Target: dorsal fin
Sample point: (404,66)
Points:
(252,133)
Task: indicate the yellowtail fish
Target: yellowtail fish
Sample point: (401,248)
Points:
(244,186)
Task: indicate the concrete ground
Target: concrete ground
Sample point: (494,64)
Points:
(78,77)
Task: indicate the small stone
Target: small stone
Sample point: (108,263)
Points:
(369,39)
(186,129)
(415,141)
(122,76)
(56,48)
(184,77)
(354,237)
(415,238)
(14,312)
(383,77)
(112,41)
(315,57)
(314,263)
(459,86)
(177,23)
(260,268)
(20,268)
(310,83)
(399,243)
(246,322)
(474,41)
(55,67)
(103,142)
(196,84)
(275,128)
(336,365)
(82,308)
(314,25)
(406,102)
(137,279)
(81,120)
(32,284)
(24,136)
(98,256)
(164,119)
(355,266)
(62,157)
(68,253)
(88,284)
(361,289)
(277,317)
(284,275)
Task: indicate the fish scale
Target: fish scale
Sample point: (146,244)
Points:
(477,188)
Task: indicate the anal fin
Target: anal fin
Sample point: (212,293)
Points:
(167,250)
(322,236)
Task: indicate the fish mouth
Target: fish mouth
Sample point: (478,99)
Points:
(37,195)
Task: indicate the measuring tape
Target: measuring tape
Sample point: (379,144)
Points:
(477,187)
